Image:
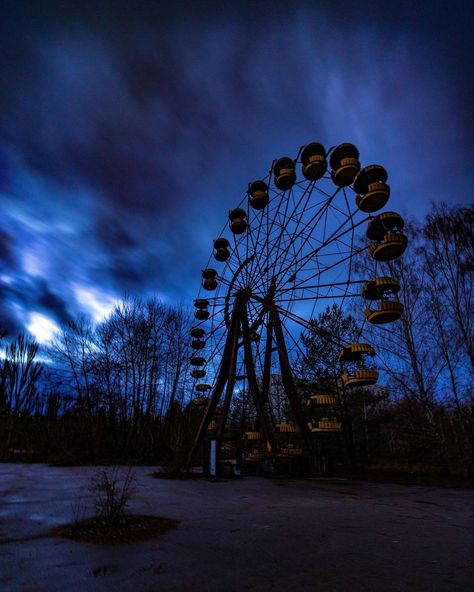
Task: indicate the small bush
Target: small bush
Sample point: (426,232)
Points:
(114,488)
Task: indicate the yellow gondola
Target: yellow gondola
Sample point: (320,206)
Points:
(258,195)
(237,220)
(387,310)
(388,240)
(221,249)
(255,456)
(291,450)
(326,425)
(313,160)
(253,436)
(355,352)
(322,400)
(209,279)
(284,173)
(373,191)
(288,428)
(201,313)
(360,378)
(345,164)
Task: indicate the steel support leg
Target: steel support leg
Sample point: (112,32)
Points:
(258,401)
(219,385)
(288,382)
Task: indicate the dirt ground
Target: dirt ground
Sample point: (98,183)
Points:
(252,534)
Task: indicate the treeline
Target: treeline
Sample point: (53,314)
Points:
(424,417)
(106,391)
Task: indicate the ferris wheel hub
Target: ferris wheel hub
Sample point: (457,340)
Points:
(244,294)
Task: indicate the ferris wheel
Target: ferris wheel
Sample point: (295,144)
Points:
(289,247)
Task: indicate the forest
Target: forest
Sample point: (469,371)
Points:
(120,390)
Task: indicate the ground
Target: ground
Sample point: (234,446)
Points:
(252,534)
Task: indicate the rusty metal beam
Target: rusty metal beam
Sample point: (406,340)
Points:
(288,382)
(267,363)
(230,386)
(266,425)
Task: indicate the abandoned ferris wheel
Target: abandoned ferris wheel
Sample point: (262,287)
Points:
(291,243)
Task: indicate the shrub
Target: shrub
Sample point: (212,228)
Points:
(114,488)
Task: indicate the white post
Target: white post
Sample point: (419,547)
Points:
(213,458)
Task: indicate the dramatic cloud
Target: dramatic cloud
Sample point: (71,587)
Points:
(128,132)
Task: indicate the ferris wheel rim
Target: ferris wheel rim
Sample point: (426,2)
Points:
(262,265)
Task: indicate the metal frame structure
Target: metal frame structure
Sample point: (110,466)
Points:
(293,245)
(239,328)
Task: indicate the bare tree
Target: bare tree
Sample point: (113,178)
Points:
(449,257)
(20,375)
(426,354)
(127,371)
(18,384)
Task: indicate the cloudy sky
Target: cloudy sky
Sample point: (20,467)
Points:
(128,129)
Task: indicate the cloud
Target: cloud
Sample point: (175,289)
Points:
(98,305)
(42,327)
(128,134)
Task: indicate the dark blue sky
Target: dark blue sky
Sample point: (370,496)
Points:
(128,130)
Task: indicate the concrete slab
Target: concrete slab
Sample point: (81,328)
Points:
(254,534)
